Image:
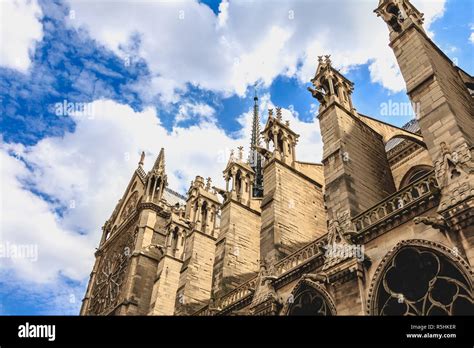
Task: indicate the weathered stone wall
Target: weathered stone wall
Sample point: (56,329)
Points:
(237,247)
(313,170)
(419,59)
(347,297)
(356,168)
(446,110)
(195,280)
(139,286)
(166,285)
(292,211)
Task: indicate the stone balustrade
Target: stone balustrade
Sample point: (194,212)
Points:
(230,298)
(298,257)
(397,202)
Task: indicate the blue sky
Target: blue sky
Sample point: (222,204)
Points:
(182,83)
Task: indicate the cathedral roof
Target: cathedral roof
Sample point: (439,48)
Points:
(173,197)
(412,126)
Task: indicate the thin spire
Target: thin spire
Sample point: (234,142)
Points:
(255,158)
(255,139)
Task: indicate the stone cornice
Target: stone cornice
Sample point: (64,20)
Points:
(155,207)
(403,152)
(228,201)
(461,215)
(294,170)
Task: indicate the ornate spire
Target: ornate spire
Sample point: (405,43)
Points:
(159,165)
(255,159)
(156,179)
(255,139)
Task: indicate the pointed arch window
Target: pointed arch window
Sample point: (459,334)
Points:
(309,301)
(204,216)
(238,182)
(414,174)
(423,281)
(174,240)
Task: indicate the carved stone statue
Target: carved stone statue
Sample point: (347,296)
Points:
(451,164)
(142,159)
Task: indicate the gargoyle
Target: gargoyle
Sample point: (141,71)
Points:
(322,278)
(318,94)
(267,154)
(221,192)
(437,222)
(269,278)
(159,247)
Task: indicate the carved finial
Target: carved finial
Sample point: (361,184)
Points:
(241,152)
(270,113)
(278,112)
(142,159)
(208,184)
(328,59)
(287,122)
(320,59)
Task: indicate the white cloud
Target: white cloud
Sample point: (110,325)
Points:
(54,298)
(19,30)
(432,9)
(223,13)
(90,169)
(28,221)
(248,41)
(198,110)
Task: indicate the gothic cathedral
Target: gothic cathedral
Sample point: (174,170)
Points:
(383,226)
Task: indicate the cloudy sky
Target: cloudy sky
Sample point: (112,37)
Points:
(152,74)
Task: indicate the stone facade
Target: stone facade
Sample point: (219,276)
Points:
(384,226)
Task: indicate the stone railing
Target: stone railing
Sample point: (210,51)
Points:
(238,294)
(299,257)
(204,311)
(397,202)
(230,298)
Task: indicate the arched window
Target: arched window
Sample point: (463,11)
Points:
(156,194)
(238,182)
(422,281)
(196,208)
(152,184)
(309,301)
(174,240)
(204,216)
(414,174)
(280,144)
(129,206)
